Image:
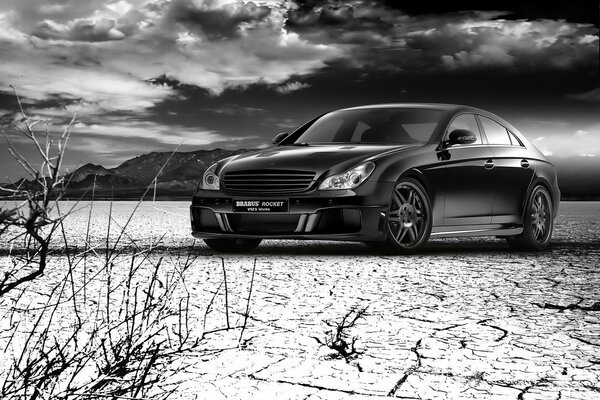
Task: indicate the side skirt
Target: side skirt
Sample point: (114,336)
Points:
(475,230)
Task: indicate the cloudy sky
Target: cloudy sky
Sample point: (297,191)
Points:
(156,74)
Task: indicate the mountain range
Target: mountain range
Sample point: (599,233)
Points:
(180,172)
(179,175)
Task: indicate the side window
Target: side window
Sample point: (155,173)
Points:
(495,133)
(468,122)
(515,140)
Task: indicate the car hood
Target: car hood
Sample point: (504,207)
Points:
(317,158)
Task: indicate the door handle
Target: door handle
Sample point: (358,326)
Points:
(489,164)
(524,163)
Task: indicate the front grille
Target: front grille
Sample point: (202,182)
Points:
(268,181)
(263,223)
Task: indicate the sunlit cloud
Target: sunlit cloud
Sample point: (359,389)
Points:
(591,96)
(554,139)
(159,133)
(88,30)
(108,55)
(291,87)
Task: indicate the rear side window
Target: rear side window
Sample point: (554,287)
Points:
(515,140)
(495,133)
(468,122)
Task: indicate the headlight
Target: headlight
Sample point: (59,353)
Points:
(210,181)
(349,179)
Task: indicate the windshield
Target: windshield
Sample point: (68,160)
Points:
(374,125)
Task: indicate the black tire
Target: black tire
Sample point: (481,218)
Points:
(538,222)
(409,219)
(232,245)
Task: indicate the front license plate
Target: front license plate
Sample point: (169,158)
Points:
(260,206)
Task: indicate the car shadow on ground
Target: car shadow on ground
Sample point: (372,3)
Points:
(466,246)
(438,247)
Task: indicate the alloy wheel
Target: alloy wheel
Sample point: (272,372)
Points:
(408,218)
(537,224)
(540,218)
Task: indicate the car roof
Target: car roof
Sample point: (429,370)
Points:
(430,106)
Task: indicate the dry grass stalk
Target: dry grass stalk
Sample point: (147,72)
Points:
(120,344)
(115,324)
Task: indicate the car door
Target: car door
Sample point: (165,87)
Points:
(468,188)
(513,171)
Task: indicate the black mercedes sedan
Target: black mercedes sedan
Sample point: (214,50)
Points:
(391,176)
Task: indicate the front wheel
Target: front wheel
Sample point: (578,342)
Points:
(409,218)
(232,245)
(538,222)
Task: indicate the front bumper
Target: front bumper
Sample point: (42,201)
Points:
(358,214)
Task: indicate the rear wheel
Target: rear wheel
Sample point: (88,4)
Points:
(232,245)
(409,219)
(537,224)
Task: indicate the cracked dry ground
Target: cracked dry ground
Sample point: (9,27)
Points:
(477,322)
(467,318)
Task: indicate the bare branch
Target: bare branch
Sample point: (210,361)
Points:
(339,338)
(34,216)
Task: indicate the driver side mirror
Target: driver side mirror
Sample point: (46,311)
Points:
(461,136)
(280,137)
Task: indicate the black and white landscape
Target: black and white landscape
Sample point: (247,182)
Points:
(110,112)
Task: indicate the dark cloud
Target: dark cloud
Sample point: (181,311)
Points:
(337,14)
(129,23)
(511,45)
(218,23)
(585,11)
(385,37)
(346,23)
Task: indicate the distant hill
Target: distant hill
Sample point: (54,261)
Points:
(578,177)
(181,172)
(91,174)
(88,169)
(177,166)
